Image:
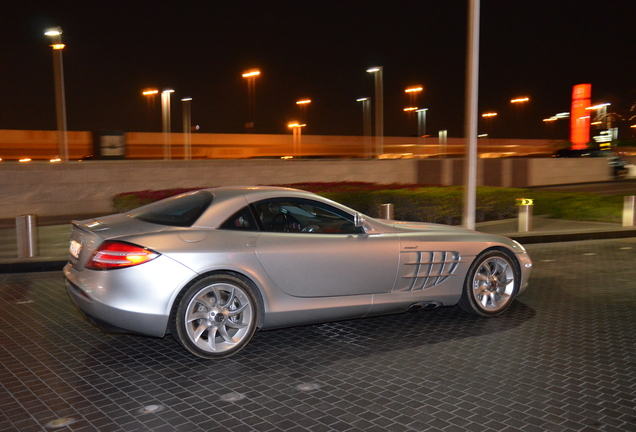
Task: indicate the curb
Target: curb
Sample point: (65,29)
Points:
(32,267)
(531,238)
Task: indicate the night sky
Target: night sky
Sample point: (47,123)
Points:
(316,49)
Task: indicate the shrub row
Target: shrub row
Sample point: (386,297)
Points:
(440,204)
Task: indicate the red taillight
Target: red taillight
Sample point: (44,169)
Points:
(112,255)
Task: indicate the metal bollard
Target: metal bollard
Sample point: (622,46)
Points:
(629,211)
(525,214)
(26,227)
(386,211)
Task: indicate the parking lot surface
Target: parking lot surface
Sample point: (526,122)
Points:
(561,359)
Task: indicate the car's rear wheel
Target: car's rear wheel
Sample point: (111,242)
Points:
(216,317)
(490,285)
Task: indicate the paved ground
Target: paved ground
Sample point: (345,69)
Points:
(562,359)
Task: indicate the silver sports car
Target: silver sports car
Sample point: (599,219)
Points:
(213,266)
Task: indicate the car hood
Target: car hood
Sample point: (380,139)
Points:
(399,226)
(439,232)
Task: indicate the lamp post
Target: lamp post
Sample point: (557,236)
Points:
(413,92)
(187,129)
(165,115)
(552,121)
(250,76)
(55,34)
(302,108)
(379,109)
(421,121)
(488,117)
(601,115)
(366,125)
(520,102)
(150,95)
(296,138)
(410,110)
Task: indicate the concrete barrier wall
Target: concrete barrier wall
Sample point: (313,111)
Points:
(516,172)
(48,189)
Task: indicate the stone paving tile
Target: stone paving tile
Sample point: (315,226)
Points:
(561,359)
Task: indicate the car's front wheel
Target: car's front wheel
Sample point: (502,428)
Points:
(490,285)
(216,317)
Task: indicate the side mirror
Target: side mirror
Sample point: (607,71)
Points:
(358,220)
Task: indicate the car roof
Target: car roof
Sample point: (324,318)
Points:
(230,199)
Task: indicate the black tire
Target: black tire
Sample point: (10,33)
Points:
(491,284)
(216,317)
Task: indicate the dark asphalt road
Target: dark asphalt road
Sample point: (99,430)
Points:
(561,359)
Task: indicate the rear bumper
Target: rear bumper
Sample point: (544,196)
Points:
(114,320)
(135,300)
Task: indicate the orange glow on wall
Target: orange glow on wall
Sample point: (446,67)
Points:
(580,117)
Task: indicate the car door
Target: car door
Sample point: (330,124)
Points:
(311,249)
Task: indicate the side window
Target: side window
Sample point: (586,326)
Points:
(303,215)
(241,220)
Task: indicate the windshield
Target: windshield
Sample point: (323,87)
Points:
(181,211)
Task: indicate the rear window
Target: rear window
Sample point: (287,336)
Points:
(181,211)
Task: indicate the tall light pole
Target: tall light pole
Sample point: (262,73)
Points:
(413,92)
(366,125)
(520,102)
(379,109)
(165,115)
(150,95)
(421,121)
(410,111)
(601,115)
(187,129)
(488,117)
(302,108)
(472,91)
(55,34)
(296,137)
(250,76)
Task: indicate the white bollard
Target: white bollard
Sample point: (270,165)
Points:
(525,214)
(629,212)
(26,227)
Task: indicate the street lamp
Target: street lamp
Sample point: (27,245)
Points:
(55,34)
(250,76)
(187,129)
(296,135)
(601,115)
(520,102)
(488,116)
(366,125)
(302,107)
(421,121)
(379,109)
(165,115)
(413,92)
(150,95)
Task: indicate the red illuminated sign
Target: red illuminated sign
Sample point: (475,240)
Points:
(580,117)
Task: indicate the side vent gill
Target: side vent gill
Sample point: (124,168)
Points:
(427,269)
